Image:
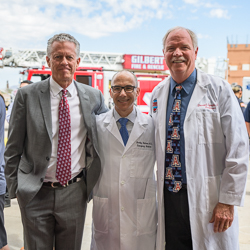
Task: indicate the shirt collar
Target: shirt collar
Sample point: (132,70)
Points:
(131,116)
(56,88)
(186,85)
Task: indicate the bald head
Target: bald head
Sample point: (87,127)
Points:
(125,73)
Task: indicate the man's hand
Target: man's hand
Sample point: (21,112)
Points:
(222,217)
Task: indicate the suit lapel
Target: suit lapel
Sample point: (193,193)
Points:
(85,106)
(44,96)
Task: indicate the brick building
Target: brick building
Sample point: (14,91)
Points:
(239,62)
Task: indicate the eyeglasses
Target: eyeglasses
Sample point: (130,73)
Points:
(127,88)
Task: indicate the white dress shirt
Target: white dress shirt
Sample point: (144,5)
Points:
(131,120)
(78,130)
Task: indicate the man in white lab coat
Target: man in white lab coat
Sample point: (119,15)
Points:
(197,201)
(124,198)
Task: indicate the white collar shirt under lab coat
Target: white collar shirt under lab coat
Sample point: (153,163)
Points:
(131,120)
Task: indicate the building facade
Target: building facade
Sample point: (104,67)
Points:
(238,62)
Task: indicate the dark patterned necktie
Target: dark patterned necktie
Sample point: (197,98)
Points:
(123,130)
(173,174)
(63,168)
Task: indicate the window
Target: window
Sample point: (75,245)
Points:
(245,66)
(84,79)
(233,67)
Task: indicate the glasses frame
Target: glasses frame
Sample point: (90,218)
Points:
(123,88)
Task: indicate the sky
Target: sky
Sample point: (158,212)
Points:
(123,26)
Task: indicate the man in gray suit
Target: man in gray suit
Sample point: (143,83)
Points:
(51,156)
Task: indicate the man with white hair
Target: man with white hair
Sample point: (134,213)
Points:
(202,159)
(51,156)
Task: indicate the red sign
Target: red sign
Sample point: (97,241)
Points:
(144,62)
(1,56)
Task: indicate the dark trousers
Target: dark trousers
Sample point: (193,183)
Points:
(177,223)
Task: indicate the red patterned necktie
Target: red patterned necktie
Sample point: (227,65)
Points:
(173,173)
(63,169)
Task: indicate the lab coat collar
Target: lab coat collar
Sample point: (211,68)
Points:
(199,91)
(139,127)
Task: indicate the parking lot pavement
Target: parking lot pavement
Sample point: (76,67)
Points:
(15,232)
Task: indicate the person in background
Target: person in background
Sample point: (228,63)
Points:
(22,84)
(247,118)
(124,198)
(237,89)
(201,152)
(3,235)
(51,156)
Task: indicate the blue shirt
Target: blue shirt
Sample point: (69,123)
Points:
(186,93)
(2,119)
(247,113)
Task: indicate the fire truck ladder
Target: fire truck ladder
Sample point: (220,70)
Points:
(37,58)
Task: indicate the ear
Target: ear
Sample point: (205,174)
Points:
(48,60)
(138,90)
(196,52)
(78,62)
(111,93)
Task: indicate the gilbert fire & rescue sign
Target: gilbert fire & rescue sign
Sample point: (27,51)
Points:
(144,62)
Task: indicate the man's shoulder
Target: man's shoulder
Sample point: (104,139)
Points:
(144,118)
(86,88)
(2,107)
(102,116)
(2,101)
(161,85)
(211,79)
(34,87)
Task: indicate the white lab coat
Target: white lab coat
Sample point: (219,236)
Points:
(216,146)
(124,198)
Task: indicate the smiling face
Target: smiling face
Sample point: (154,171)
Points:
(180,55)
(124,101)
(63,62)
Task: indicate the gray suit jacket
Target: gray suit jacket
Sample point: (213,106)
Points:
(28,149)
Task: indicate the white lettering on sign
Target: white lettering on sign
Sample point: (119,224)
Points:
(135,66)
(147,59)
(161,67)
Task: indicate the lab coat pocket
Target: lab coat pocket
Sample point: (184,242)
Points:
(212,191)
(146,216)
(209,127)
(142,162)
(100,214)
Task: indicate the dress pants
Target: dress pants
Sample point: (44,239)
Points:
(177,224)
(55,216)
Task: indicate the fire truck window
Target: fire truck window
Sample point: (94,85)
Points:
(84,79)
(44,76)
(39,77)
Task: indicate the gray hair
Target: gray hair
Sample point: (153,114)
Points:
(190,32)
(63,37)
(114,76)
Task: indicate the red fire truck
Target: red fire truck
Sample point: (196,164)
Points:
(149,70)
(1,57)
